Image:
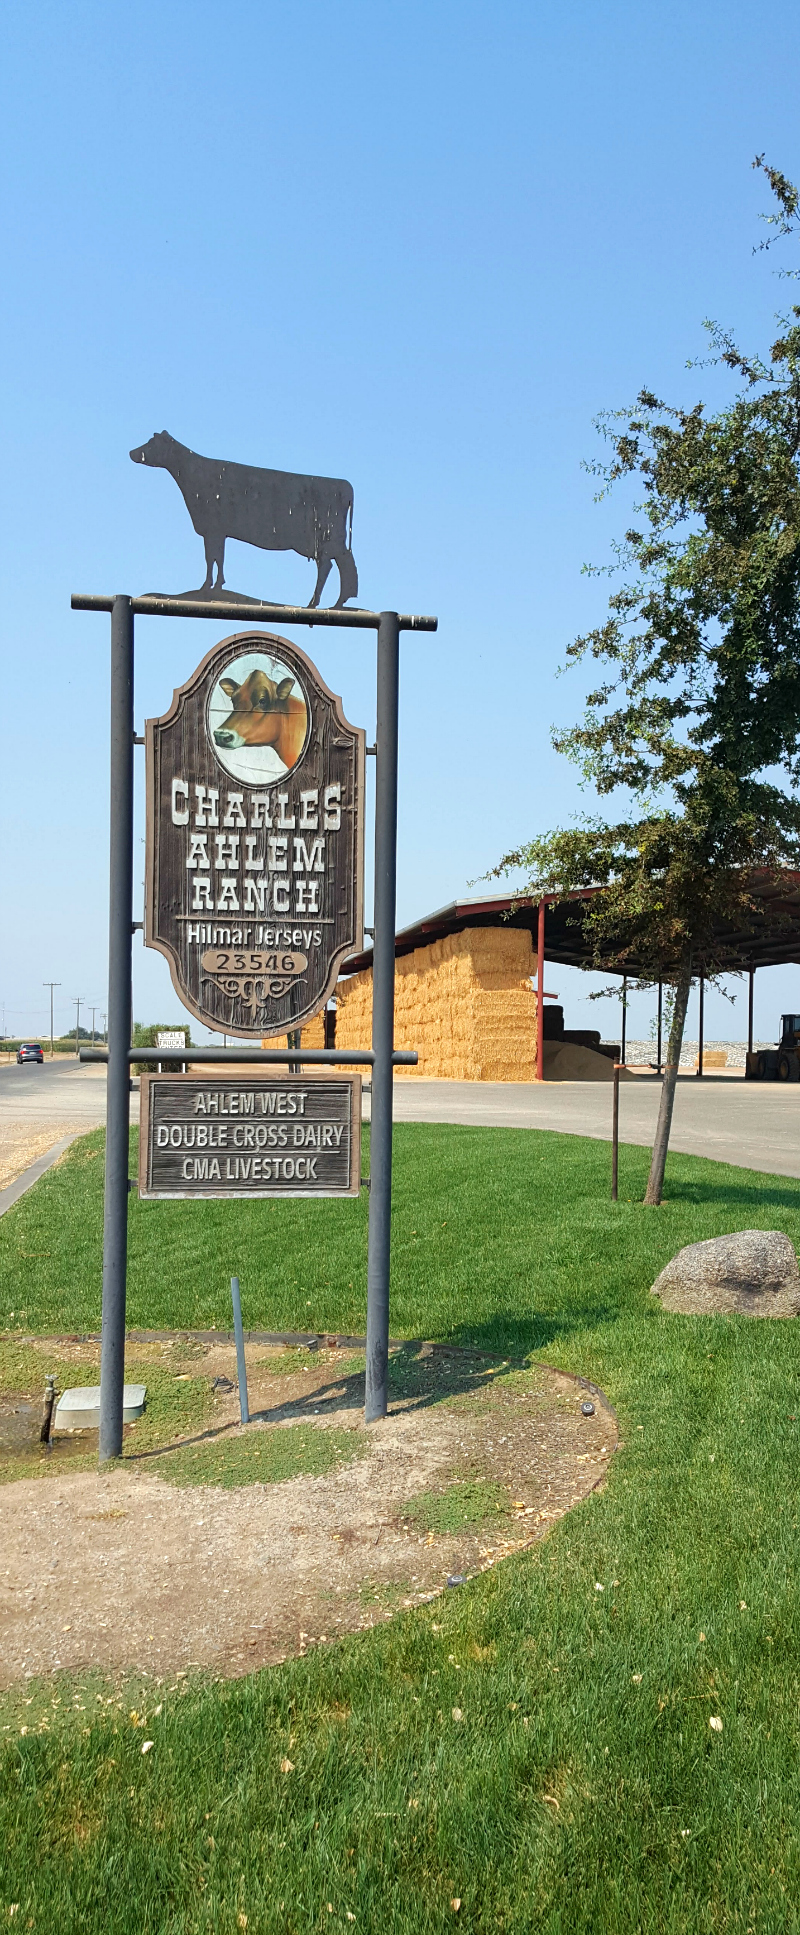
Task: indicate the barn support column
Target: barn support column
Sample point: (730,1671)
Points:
(120,937)
(380,1160)
(700,1024)
(540,993)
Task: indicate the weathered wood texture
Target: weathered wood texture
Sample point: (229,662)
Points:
(255,938)
(246,1136)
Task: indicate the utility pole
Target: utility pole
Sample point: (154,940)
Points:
(93,1013)
(51,985)
(77,998)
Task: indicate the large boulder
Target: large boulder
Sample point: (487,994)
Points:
(752,1272)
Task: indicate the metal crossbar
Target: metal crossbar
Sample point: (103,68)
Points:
(152,606)
(314,1057)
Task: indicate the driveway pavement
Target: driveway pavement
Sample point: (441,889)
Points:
(754,1125)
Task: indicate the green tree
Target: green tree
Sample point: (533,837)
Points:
(697,719)
(145,1035)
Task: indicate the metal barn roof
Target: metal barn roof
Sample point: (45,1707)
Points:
(771,939)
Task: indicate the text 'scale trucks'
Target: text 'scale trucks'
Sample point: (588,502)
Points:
(781,1064)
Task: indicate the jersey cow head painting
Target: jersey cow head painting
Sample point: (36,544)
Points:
(258,718)
(255,790)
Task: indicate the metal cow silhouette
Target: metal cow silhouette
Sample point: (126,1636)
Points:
(273,509)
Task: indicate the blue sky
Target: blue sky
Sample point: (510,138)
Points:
(419,247)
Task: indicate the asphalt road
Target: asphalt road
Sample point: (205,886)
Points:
(751,1124)
(54,1091)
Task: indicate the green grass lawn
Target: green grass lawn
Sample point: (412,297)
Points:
(582,1786)
(263,1458)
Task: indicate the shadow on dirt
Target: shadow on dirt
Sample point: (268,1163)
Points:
(420,1375)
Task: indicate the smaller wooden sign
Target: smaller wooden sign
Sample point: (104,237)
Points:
(250,1135)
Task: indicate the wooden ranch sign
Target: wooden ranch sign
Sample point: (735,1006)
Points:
(285,1135)
(255,837)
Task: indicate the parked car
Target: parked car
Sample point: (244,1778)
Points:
(30,1051)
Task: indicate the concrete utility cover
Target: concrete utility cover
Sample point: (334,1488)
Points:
(79,1410)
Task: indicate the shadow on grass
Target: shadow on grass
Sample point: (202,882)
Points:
(773,1193)
(505,1332)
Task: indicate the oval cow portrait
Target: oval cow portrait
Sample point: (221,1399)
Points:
(258,719)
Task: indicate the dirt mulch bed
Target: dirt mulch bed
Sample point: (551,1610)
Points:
(21,1143)
(126,1571)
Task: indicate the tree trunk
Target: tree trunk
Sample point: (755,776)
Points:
(655,1180)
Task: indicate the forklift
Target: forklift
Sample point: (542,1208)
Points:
(781,1064)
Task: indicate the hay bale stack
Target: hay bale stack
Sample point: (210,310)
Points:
(465,1003)
(354,1011)
(714,1058)
(312,1035)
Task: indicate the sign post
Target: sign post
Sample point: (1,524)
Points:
(259,1003)
(380,1141)
(120,937)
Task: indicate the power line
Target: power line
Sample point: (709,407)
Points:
(51,985)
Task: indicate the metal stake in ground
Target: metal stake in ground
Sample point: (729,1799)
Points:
(115,1229)
(51,985)
(241,1367)
(380,1160)
(49,1405)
